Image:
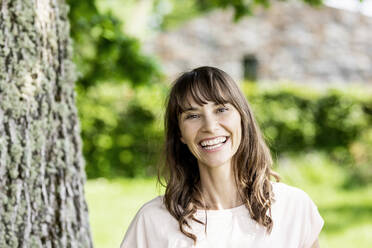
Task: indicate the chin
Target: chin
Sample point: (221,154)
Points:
(215,164)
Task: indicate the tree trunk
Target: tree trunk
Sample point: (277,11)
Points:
(41,165)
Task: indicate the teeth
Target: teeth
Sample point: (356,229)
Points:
(212,147)
(214,141)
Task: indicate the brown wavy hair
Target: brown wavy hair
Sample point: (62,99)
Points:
(251,163)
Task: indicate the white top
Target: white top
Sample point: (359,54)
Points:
(297,223)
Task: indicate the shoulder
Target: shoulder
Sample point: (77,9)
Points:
(153,212)
(289,199)
(286,192)
(282,187)
(145,229)
(152,205)
(153,208)
(294,211)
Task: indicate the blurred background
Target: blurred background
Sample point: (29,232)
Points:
(305,67)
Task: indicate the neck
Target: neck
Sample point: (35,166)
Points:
(218,187)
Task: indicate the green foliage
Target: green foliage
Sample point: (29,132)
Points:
(361,168)
(242,7)
(296,117)
(286,119)
(338,121)
(103,52)
(175,12)
(121,130)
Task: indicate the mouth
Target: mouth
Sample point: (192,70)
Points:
(215,144)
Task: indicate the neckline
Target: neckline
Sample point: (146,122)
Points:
(221,211)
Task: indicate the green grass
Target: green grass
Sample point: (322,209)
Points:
(347,212)
(112,205)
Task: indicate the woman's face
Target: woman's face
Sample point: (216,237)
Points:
(212,132)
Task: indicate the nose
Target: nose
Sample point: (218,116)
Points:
(210,123)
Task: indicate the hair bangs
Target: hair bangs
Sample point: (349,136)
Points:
(201,88)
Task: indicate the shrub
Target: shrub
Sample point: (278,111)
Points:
(120,130)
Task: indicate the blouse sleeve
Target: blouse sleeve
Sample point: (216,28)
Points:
(313,222)
(136,233)
(145,230)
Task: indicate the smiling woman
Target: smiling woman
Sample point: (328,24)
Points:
(217,175)
(210,128)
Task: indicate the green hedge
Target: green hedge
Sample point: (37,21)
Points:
(122,127)
(296,117)
(299,118)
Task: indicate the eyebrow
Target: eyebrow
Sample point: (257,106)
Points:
(190,109)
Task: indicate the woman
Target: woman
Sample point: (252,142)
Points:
(217,175)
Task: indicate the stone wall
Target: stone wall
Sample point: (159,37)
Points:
(290,40)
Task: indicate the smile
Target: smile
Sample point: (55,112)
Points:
(213,144)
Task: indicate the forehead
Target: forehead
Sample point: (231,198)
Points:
(190,102)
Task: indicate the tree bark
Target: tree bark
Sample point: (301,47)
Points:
(41,164)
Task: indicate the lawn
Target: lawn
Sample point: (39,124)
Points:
(112,204)
(347,212)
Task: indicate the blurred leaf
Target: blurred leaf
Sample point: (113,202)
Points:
(103,52)
(242,7)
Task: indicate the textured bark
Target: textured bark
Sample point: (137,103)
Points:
(41,165)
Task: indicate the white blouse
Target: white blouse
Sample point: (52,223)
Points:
(296,224)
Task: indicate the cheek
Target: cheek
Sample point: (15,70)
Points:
(187,133)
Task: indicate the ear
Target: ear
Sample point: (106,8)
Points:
(182,140)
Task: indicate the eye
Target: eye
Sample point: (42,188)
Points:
(222,109)
(191,116)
